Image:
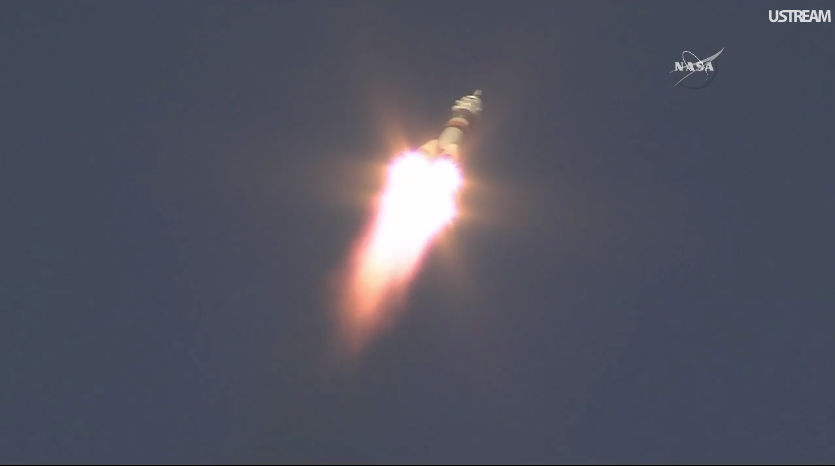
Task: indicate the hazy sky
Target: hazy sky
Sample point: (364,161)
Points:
(644,273)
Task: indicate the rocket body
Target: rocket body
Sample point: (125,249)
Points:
(464,113)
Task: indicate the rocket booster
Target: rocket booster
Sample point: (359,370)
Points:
(464,113)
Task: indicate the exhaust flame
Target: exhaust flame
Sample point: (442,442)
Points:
(418,201)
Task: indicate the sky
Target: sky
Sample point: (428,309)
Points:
(642,273)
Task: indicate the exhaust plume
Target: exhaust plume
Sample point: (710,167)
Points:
(417,202)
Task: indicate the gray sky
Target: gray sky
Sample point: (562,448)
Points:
(644,274)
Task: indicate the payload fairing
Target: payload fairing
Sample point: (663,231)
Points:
(464,113)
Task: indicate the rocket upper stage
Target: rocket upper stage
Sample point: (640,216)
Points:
(464,113)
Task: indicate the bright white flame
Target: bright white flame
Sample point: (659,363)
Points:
(418,201)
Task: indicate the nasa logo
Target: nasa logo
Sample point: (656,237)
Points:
(691,67)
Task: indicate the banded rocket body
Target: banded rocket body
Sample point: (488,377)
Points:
(464,114)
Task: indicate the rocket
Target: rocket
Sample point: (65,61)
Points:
(464,113)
